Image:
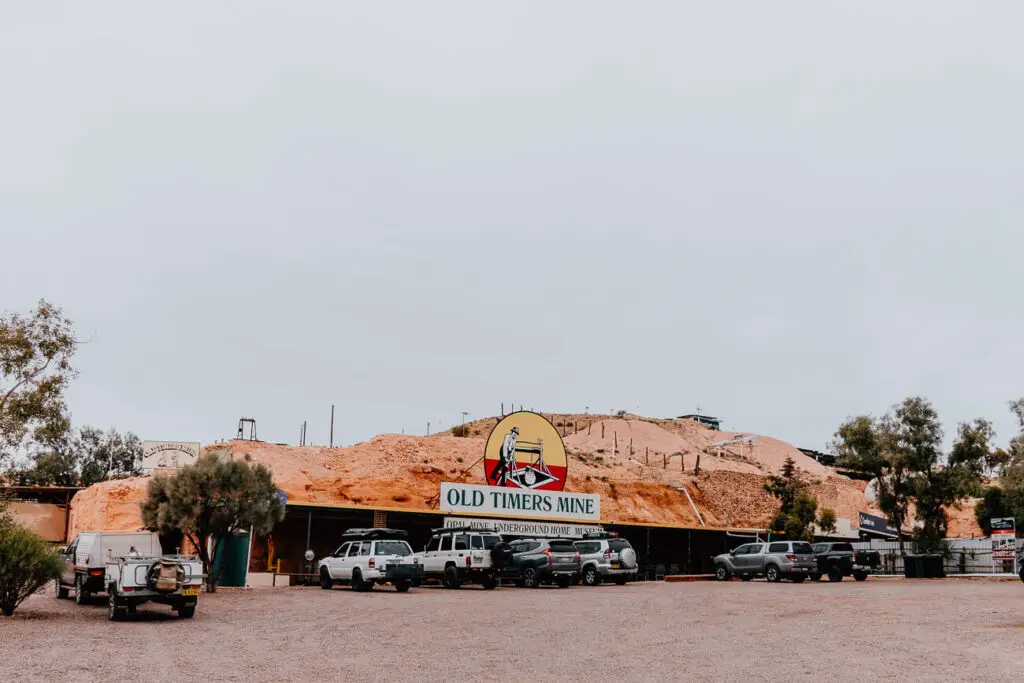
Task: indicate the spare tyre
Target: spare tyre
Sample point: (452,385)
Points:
(501,555)
(627,558)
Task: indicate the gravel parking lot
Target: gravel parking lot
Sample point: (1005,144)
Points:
(881,629)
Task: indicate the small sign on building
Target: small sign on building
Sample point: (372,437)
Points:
(168,455)
(1004,543)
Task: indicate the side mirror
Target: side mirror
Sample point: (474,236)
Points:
(733,551)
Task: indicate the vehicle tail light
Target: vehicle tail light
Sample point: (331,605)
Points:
(469,561)
(95,572)
(127,589)
(579,560)
(607,553)
(791,558)
(373,563)
(548,553)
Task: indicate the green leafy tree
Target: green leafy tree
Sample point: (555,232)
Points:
(903,450)
(858,446)
(210,500)
(798,509)
(27,563)
(35,369)
(83,459)
(992,504)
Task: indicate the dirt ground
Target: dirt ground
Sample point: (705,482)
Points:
(877,630)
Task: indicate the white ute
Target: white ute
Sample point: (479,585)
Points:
(172,580)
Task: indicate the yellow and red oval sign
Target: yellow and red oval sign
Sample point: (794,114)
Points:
(525,451)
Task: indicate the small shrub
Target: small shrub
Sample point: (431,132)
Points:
(459,459)
(604,479)
(600,450)
(569,424)
(460,430)
(27,563)
(588,477)
(621,413)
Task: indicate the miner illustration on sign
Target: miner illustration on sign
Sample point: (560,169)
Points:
(507,459)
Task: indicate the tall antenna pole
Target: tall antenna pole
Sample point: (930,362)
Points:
(332,425)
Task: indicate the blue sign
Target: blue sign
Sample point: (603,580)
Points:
(876,525)
(283,497)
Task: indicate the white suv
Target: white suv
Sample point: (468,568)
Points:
(371,556)
(459,555)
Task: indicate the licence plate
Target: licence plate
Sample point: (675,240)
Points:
(615,565)
(190,591)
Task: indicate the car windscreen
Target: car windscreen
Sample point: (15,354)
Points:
(562,547)
(820,548)
(393,548)
(525,546)
(491,541)
(802,548)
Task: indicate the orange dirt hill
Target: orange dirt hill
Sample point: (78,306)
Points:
(641,484)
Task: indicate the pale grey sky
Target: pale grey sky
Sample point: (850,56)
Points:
(785,212)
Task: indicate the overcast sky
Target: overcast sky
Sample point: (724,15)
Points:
(786,213)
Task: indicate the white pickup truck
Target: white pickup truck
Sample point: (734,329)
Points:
(172,580)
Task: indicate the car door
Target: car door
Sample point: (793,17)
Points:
(350,560)
(476,549)
(430,554)
(753,560)
(67,572)
(334,561)
(739,556)
(461,546)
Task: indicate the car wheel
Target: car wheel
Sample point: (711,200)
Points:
(620,580)
(358,584)
(402,586)
(834,575)
(62,591)
(563,582)
(1022,574)
(721,573)
(860,576)
(115,612)
(746,577)
(798,578)
(451,578)
(530,579)
(81,595)
(592,578)
(772,574)
(489,583)
(187,612)
(815,576)
(325,579)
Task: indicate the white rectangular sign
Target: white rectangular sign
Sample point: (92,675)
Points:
(168,455)
(514,502)
(511,527)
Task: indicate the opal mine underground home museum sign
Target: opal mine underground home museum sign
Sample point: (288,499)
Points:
(516,502)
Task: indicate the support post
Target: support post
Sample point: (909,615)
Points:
(332,441)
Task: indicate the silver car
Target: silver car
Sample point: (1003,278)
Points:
(777,560)
(606,557)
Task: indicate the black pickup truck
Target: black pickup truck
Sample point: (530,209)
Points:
(836,560)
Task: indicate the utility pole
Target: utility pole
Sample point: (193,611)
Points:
(464,414)
(332,425)
(428,429)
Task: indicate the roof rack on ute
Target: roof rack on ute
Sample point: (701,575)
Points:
(372,534)
(599,535)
